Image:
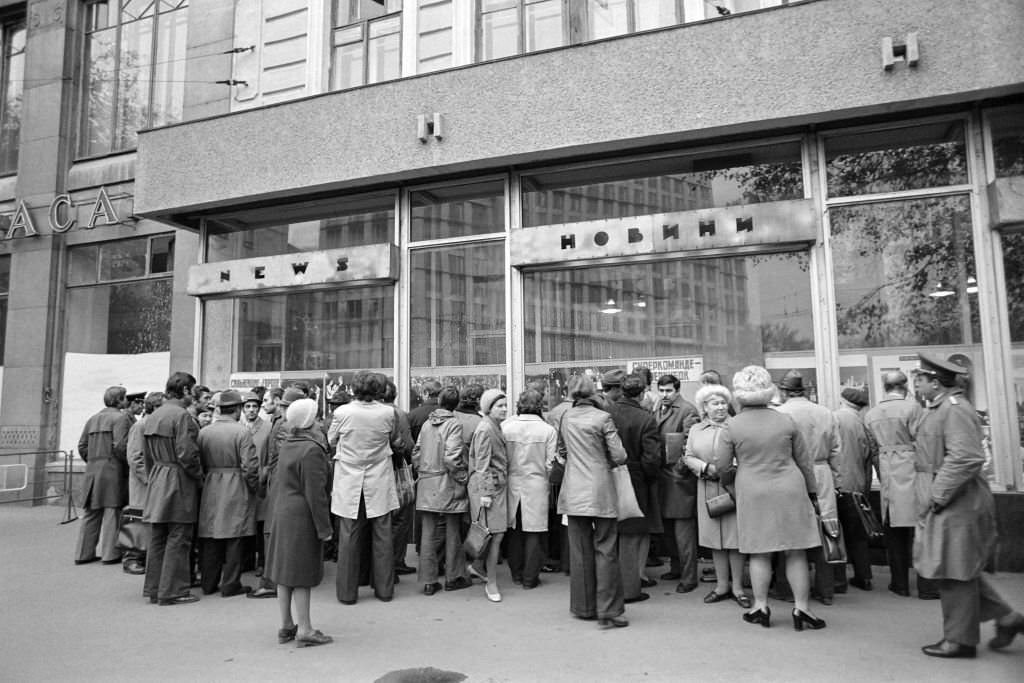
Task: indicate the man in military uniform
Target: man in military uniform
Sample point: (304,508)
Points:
(893,423)
(956,533)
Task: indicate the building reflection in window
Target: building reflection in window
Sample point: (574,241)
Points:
(729,312)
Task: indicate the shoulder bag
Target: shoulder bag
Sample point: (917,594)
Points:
(628,507)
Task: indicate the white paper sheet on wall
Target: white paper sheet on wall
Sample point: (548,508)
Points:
(87,376)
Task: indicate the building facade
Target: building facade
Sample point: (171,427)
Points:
(509,191)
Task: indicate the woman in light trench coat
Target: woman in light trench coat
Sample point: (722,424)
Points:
(532,446)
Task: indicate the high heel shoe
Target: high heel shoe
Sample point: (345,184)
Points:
(760,616)
(802,619)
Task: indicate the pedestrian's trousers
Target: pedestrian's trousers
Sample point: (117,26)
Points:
(168,563)
(98,524)
(595,584)
(350,531)
(965,604)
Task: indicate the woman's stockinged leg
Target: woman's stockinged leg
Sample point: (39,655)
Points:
(760,577)
(493,552)
(302,611)
(736,560)
(721,561)
(799,577)
(284,604)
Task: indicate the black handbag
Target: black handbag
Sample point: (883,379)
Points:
(832,544)
(868,520)
(478,537)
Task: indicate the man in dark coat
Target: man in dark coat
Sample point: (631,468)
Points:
(639,434)
(172,504)
(677,491)
(857,451)
(103,446)
(957,531)
(227,509)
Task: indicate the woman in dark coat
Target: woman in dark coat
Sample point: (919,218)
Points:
(301,522)
(776,494)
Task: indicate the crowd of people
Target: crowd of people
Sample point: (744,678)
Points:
(755,475)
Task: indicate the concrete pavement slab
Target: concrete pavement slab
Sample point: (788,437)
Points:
(61,621)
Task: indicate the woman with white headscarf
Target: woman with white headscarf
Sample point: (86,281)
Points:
(776,494)
(301,522)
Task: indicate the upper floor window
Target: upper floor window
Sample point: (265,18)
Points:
(12,72)
(135,70)
(509,27)
(366,42)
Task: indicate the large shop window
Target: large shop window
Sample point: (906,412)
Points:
(134,71)
(5,289)
(748,176)
(1013,265)
(366,42)
(119,296)
(351,222)
(717,313)
(320,331)
(457,307)
(12,75)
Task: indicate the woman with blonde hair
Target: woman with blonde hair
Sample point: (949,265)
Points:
(720,534)
(776,494)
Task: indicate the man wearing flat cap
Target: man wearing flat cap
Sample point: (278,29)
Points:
(857,451)
(956,532)
(893,423)
(227,509)
(611,385)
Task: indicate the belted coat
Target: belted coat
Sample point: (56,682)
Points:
(172,463)
(904,490)
(488,474)
(956,541)
(103,447)
(227,508)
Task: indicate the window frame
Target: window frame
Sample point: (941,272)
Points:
(10,23)
(364,25)
(149,275)
(82,150)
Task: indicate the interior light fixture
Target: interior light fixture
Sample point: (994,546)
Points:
(610,307)
(972,285)
(641,301)
(941,290)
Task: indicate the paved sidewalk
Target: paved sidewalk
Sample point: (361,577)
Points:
(60,621)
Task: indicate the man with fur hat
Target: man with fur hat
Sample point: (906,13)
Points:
(957,529)
(857,450)
(817,425)
(227,509)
